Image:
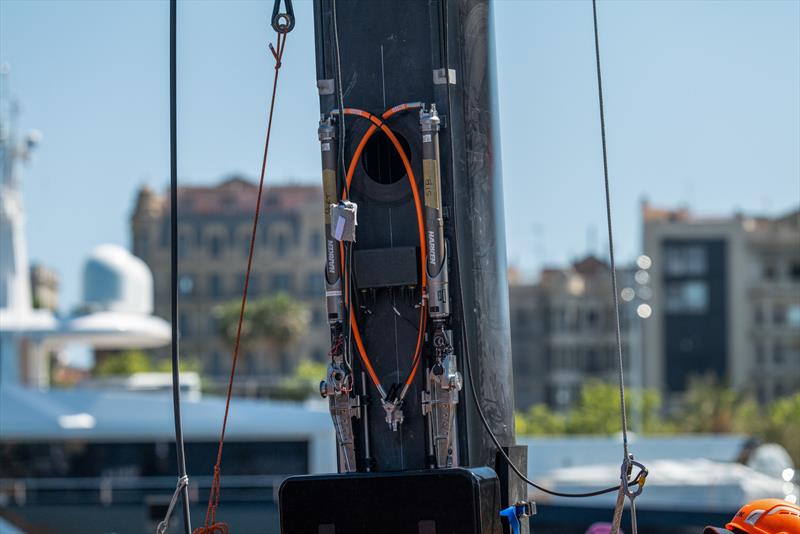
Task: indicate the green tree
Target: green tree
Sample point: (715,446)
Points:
(186,365)
(123,363)
(710,407)
(540,420)
(277,320)
(782,425)
(596,412)
(303,382)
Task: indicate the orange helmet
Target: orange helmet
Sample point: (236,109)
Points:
(764,516)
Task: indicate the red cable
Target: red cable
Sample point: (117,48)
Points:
(211,526)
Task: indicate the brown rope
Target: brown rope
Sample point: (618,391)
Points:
(211,526)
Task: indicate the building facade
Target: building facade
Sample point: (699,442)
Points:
(214,228)
(44,287)
(726,301)
(563,333)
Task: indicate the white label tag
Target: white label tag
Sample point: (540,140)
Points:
(426,138)
(326,147)
(339,230)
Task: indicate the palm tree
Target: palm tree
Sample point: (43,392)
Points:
(280,320)
(277,319)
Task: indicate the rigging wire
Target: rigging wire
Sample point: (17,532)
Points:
(341,127)
(210,525)
(182,488)
(626,462)
(642,474)
(339,96)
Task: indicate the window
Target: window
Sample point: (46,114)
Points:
(186,285)
(253,287)
(793,352)
(185,324)
(687,297)
(770,271)
(315,287)
(282,282)
(141,243)
(315,244)
(183,246)
(758,314)
(592,318)
(682,260)
(215,246)
(281,244)
(778,354)
(245,243)
(779,314)
(760,354)
(317,317)
(794,271)
(793,315)
(215,286)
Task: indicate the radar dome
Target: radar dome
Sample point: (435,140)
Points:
(116,280)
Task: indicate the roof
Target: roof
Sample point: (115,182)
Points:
(686,472)
(689,484)
(546,454)
(235,195)
(79,413)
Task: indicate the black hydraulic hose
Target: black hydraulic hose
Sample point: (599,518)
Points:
(173,147)
(511,464)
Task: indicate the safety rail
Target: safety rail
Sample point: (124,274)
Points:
(107,491)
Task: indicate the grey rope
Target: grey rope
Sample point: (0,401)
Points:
(164,525)
(627,458)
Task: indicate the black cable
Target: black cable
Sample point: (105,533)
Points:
(341,177)
(173,147)
(339,99)
(500,447)
(464,341)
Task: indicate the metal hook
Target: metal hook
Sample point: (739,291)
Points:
(639,480)
(283,22)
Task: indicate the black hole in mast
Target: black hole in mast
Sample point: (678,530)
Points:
(381,161)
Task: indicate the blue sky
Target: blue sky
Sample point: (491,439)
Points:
(702,109)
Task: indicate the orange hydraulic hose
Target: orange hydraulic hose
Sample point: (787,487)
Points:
(378,123)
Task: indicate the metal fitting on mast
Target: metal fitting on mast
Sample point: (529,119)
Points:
(443,381)
(333,264)
(338,385)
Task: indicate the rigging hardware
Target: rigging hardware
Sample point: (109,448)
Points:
(182,487)
(627,461)
(282,22)
(443,380)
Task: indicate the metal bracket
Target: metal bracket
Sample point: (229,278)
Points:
(443,76)
(326,87)
(394,414)
(439,404)
(343,408)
